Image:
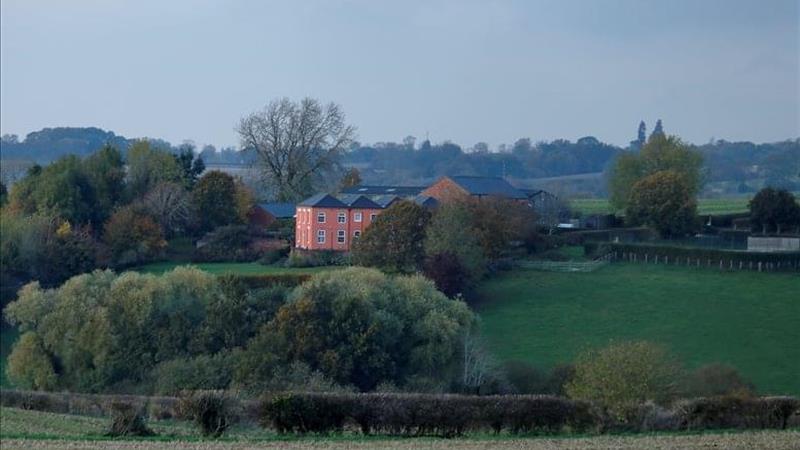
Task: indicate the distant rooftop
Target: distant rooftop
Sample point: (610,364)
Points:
(279,210)
(402,191)
(494,186)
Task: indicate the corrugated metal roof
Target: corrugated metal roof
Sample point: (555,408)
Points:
(488,186)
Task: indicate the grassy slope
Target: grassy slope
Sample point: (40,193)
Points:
(221,268)
(749,320)
(705,206)
(33,429)
(8,335)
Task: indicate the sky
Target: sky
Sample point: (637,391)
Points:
(461,70)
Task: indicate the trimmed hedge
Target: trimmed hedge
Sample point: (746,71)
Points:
(422,414)
(729,259)
(737,412)
(431,415)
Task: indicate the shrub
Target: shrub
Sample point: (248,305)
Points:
(211,411)
(715,380)
(132,237)
(272,256)
(773,261)
(623,376)
(201,372)
(734,411)
(232,243)
(447,272)
(127,420)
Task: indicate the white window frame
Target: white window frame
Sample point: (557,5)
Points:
(341,236)
(372,217)
(358,216)
(341,217)
(320,236)
(356,234)
(323,216)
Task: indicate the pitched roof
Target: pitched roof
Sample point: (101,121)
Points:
(358,201)
(402,191)
(323,200)
(279,210)
(385,200)
(488,186)
(426,201)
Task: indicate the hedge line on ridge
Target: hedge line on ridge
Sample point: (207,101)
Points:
(439,415)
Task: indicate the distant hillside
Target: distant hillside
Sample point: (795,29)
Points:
(51,143)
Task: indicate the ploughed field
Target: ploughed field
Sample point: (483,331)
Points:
(41,430)
(748,320)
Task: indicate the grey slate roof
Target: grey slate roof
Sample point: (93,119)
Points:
(402,191)
(323,200)
(488,186)
(358,201)
(279,210)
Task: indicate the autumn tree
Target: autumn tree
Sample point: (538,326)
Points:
(148,167)
(361,327)
(658,154)
(351,178)
(394,241)
(664,202)
(622,376)
(216,201)
(774,209)
(498,222)
(296,143)
(452,234)
(132,236)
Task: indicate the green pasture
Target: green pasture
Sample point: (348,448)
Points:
(745,319)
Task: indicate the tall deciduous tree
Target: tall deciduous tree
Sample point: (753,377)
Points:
(351,178)
(171,206)
(774,209)
(148,166)
(296,143)
(660,153)
(663,201)
(394,242)
(215,199)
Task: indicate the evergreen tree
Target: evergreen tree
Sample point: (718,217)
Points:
(658,130)
(642,135)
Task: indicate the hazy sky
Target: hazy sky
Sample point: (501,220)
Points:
(465,71)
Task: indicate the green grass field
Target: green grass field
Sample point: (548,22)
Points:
(41,430)
(225,268)
(705,206)
(749,320)
(8,335)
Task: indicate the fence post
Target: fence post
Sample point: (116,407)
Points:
(759,266)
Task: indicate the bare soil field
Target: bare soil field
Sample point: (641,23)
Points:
(743,440)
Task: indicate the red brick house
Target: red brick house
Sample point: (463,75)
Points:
(332,222)
(325,222)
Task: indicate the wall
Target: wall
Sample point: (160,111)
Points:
(773,244)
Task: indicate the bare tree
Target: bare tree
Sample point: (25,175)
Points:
(480,367)
(296,143)
(169,204)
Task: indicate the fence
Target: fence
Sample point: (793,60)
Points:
(567,266)
(697,257)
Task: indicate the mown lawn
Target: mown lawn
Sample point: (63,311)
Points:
(749,320)
(705,206)
(225,268)
(40,430)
